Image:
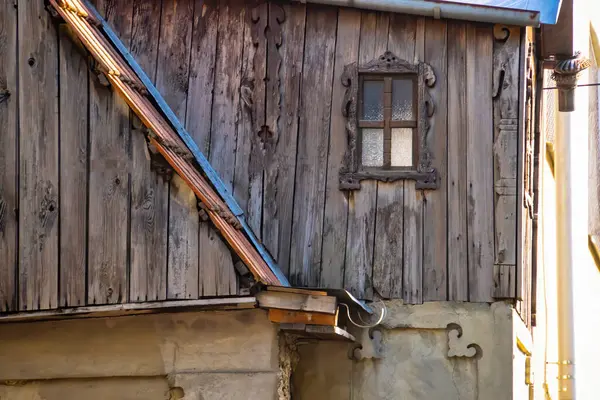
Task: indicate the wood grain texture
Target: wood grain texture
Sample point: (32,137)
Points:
(389,235)
(279,176)
(480,200)
(9,139)
(389,241)
(504,281)
(129,309)
(412,285)
(313,138)
(506,113)
(522,256)
(435,206)
(149,191)
(38,167)
(299,317)
(226,99)
(295,301)
(73,96)
(362,204)
(202,72)
(182,271)
(172,76)
(215,267)
(248,176)
(109,178)
(217,273)
(336,201)
(458,274)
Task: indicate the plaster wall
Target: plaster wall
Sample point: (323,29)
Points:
(444,350)
(201,355)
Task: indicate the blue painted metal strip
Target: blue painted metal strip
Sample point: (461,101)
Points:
(211,174)
(548,9)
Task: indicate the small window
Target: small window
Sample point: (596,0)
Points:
(387,121)
(388,106)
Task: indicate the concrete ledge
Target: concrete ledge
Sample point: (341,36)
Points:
(144,345)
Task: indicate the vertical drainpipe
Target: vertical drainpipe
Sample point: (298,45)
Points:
(567,170)
(564,256)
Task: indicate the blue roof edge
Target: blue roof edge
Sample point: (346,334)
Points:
(211,174)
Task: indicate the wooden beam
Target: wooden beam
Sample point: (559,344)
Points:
(319,332)
(300,317)
(296,290)
(120,310)
(294,301)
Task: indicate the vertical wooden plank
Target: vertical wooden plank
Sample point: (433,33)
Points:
(149,191)
(214,256)
(248,179)
(480,201)
(182,270)
(389,240)
(202,72)
(172,77)
(389,234)
(413,244)
(73,96)
(9,201)
(313,137)
(506,113)
(402,36)
(435,207)
(279,176)
(109,178)
(458,274)
(336,201)
(522,245)
(362,203)
(504,281)
(217,274)
(38,160)
(226,100)
(525,172)
(412,285)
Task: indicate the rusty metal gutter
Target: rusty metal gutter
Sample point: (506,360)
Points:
(442,9)
(168,135)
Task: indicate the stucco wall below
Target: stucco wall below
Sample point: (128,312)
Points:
(433,351)
(201,355)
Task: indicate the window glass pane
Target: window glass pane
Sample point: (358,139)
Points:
(402,147)
(372,100)
(372,147)
(402,100)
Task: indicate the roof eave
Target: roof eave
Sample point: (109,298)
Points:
(438,9)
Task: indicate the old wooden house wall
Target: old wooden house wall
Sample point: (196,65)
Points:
(84,220)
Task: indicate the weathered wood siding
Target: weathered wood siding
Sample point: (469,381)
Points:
(85,218)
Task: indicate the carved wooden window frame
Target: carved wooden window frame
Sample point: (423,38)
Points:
(352,172)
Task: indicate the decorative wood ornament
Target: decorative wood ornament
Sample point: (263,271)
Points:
(267,38)
(423,173)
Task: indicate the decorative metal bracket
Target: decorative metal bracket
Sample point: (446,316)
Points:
(351,172)
(566,73)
